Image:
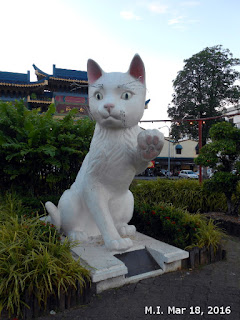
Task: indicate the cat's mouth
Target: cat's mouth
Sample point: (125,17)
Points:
(108,117)
(112,121)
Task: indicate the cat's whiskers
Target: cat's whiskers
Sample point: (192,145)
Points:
(123,117)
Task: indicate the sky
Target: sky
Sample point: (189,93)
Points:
(69,32)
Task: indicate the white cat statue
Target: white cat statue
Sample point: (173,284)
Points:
(99,201)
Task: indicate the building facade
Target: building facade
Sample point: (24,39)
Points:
(67,89)
(181,155)
(235,118)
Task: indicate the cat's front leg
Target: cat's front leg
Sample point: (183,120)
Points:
(150,144)
(97,201)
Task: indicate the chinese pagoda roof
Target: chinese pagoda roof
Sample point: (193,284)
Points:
(13,77)
(36,84)
(39,73)
(62,74)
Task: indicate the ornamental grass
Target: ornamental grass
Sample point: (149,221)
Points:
(33,260)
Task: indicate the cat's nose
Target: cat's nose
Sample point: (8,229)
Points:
(109,106)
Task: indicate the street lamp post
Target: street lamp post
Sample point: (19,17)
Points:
(168,170)
(200,122)
(168,173)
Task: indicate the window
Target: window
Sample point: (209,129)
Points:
(178,149)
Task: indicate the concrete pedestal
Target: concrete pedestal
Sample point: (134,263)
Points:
(109,268)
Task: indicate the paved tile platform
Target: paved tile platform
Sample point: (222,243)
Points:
(108,269)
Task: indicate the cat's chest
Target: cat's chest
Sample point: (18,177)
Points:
(112,153)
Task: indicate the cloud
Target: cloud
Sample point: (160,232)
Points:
(181,23)
(175,20)
(158,8)
(129,15)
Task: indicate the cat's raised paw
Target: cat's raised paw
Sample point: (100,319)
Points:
(150,143)
(119,244)
(127,230)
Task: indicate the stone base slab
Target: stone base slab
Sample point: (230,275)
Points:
(107,271)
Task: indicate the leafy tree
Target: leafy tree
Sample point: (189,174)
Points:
(202,89)
(223,156)
(38,153)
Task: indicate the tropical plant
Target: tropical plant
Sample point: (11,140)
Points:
(222,154)
(33,261)
(38,153)
(205,85)
(209,235)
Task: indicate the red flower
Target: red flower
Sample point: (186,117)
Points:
(153,212)
(144,212)
(173,222)
(168,218)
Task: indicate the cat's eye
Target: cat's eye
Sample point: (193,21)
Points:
(126,95)
(98,96)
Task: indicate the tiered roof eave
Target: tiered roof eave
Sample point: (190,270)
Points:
(62,75)
(40,83)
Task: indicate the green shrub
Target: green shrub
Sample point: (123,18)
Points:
(36,204)
(175,226)
(38,153)
(182,193)
(33,260)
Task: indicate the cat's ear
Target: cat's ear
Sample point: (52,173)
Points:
(137,69)
(93,70)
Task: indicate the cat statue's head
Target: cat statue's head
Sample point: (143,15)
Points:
(117,100)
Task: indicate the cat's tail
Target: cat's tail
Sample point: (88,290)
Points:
(54,214)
